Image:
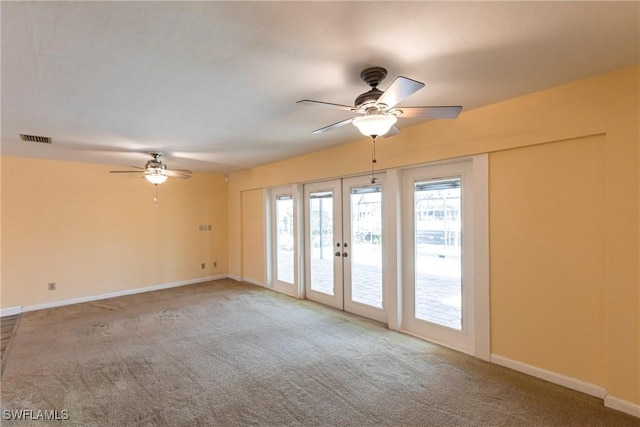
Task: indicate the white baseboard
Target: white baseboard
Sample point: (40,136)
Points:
(622,406)
(254,282)
(10,311)
(210,278)
(234,277)
(284,291)
(553,377)
(120,293)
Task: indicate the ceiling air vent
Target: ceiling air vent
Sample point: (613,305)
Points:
(34,138)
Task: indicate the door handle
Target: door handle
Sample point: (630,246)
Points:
(337,253)
(344,254)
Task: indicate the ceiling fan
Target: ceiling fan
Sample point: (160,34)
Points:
(156,172)
(377,109)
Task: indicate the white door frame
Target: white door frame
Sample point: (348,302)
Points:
(375,313)
(475,338)
(342,236)
(274,282)
(394,250)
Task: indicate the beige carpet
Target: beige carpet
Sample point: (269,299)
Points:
(8,329)
(226,353)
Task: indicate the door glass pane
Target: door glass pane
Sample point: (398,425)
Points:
(366,242)
(438,247)
(321,241)
(284,238)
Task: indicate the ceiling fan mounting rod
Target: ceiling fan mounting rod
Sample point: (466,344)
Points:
(371,76)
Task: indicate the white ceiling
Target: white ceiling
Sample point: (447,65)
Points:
(214,84)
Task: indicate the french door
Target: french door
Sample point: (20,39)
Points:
(344,245)
(283,240)
(438,296)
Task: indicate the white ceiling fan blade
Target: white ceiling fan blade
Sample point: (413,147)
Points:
(325,104)
(333,126)
(184,174)
(400,89)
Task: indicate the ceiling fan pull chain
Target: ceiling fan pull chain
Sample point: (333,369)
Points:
(373,160)
(155,199)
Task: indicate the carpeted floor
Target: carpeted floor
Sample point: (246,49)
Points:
(227,353)
(8,327)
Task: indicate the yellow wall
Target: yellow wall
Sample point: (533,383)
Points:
(253,236)
(93,232)
(547,221)
(564,216)
(1,299)
(576,312)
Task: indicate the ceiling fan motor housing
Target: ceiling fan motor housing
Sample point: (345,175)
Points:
(155,164)
(371,76)
(368,97)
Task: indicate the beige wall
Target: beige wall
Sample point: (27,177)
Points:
(564,217)
(253,236)
(564,206)
(547,221)
(93,232)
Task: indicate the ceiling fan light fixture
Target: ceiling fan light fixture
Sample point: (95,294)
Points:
(375,124)
(156,176)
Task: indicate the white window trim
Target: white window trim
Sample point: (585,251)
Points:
(394,255)
(292,289)
(479,175)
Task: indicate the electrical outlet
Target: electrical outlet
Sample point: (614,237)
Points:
(215,264)
(52,286)
(202,266)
